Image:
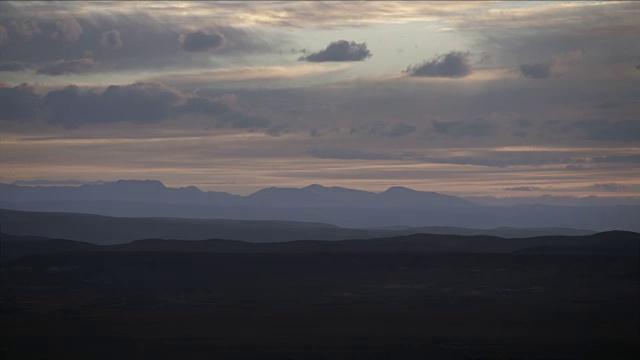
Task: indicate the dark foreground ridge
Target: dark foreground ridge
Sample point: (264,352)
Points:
(194,305)
(104,230)
(622,243)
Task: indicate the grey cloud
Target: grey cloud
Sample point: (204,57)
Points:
(62,67)
(477,128)
(54,182)
(501,159)
(72,106)
(240,120)
(344,154)
(146,41)
(522,188)
(341,50)
(14,66)
(70,28)
(200,41)
(609,130)
(111,39)
(454,64)
(277,130)
(536,70)
(18,103)
(4,35)
(400,130)
(607,187)
(523,122)
(25,28)
(576,167)
(618,159)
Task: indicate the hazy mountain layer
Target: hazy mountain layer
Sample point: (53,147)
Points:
(112,230)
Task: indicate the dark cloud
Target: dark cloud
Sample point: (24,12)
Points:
(453,65)
(479,127)
(341,50)
(400,130)
(239,120)
(15,66)
(200,41)
(608,104)
(63,67)
(609,130)
(144,41)
(523,122)
(25,28)
(277,130)
(72,106)
(522,188)
(344,154)
(536,70)
(607,187)
(18,103)
(111,39)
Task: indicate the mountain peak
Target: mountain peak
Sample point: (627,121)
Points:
(399,189)
(314,186)
(145,183)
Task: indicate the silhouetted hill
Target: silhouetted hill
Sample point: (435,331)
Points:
(112,230)
(607,243)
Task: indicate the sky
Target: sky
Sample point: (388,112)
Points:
(466,98)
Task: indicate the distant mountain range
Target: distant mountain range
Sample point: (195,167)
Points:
(153,191)
(618,243)
(315,203)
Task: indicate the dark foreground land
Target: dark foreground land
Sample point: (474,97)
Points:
(169,305)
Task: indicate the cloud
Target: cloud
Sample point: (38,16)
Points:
(454,64)
(345,154)
(42,182)
(239,120)
(200,41)
(618,159)
(70,28)
(607,187)
(72,106)
(400,130)
(14,66)
(111,39)
(4,35)
(609,130)
(536,70)
(18,103)
(479,127)
(341,50)
(522,188)
(397,130)
(277,130)
(63,67)
(576,167)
